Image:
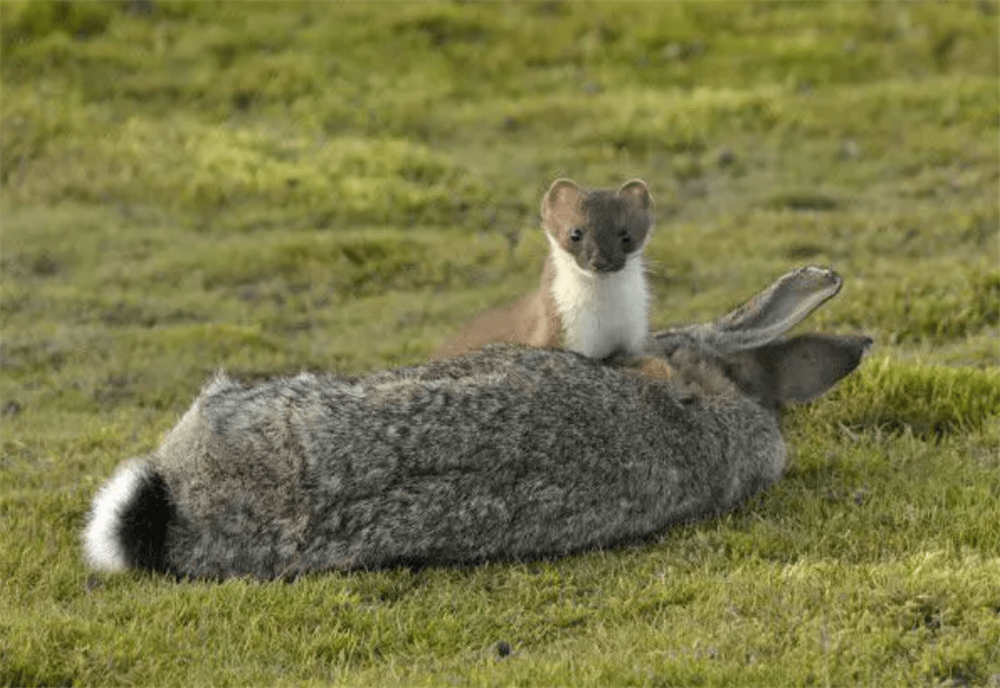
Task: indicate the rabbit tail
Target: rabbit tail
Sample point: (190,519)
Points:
(128,522)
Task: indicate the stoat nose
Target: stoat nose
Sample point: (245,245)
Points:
(606,265)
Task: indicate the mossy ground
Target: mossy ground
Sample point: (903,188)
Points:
(270,187)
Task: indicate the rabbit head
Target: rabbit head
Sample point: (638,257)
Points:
(747,345)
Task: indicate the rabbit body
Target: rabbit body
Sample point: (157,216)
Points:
(508,453)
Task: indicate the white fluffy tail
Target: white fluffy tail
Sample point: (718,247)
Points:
(128,520)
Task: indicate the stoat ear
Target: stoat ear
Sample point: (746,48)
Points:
(562,202)
(636,193)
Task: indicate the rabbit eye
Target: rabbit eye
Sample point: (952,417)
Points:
(576,234)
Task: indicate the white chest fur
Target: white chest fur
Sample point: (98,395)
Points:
(601,313)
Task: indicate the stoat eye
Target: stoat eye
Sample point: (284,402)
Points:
(576,234)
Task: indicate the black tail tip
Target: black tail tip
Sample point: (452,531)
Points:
(145,518)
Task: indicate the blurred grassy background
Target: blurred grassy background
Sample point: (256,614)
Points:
(268,187)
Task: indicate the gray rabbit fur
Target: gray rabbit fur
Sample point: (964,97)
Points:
(507,453)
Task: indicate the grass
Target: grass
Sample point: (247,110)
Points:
(268,187)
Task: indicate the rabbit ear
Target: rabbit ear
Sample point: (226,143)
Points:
(797,369)
(762,319)
(774,311)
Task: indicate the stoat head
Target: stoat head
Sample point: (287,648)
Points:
(600,228)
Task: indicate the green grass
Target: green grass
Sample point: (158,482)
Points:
(187,186)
